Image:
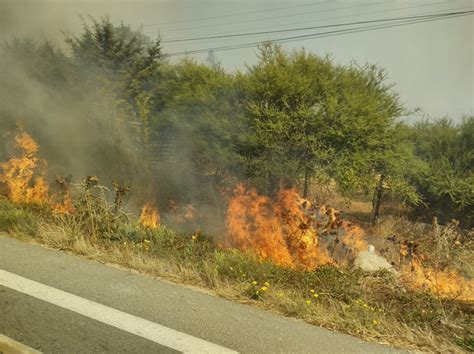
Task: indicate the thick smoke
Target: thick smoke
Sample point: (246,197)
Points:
(81,125)
(77,119)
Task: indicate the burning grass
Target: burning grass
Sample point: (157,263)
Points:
(150,217)
(373,306)
(290,231)
(285,254)
(23,174)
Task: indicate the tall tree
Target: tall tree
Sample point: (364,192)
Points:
(308,116)
(117,51)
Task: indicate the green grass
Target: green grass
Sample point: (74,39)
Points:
(17,220)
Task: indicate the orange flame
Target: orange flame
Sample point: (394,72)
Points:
(281,230)
(252,226)
(66,206)
(190,212)
(300,234)
(445,284)
(181,214)
(354,237)
(149,217)
(22,176)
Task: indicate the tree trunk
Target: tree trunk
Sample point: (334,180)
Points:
(306,184)
(377,200)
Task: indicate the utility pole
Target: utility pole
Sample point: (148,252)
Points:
(212,60)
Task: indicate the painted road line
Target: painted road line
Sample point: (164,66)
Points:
(10,346)
(143,328)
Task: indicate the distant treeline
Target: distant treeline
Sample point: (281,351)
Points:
(114,106)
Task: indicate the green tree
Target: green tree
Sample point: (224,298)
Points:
(448,185)
(195,129)
(308,116)
(125,63)
(118,52)
(283,95)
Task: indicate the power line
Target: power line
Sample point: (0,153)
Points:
(284,16)
(236,14)
(407,21)
(362,14)
(403,22)
(293,29)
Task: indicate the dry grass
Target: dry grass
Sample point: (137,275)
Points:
(376,307)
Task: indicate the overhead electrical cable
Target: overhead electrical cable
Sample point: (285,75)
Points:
(401,22)
(295,29)
(270,28)
(283,16)
(238,14)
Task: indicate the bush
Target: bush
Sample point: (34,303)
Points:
(446,187)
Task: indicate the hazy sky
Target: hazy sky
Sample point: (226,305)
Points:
(432,64)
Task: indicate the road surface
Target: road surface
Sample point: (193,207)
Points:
(55,302)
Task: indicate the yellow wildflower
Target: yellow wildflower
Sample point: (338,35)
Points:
(267,284)
(375,322)
(254,283)
(308,302)
(312,291)
(264,288)
(315,296)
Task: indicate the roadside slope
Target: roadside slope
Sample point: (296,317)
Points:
(235,326)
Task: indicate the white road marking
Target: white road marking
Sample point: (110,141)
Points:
(146,329)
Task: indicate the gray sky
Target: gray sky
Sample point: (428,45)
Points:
(432,64)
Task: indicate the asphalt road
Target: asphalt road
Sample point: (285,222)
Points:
(59,303)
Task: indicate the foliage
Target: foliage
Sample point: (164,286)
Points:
(117,51)
(308,117)
(447,186)
(195,130)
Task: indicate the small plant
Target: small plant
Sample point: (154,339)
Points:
(94,216)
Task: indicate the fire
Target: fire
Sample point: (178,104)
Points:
(446,284)
(253,226)
(181,214)
(299,229)
(190,212)
(24,174)
(286,231)
(66,206)
(149,217)
(354,237)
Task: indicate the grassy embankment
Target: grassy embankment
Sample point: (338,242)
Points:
(376,306)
